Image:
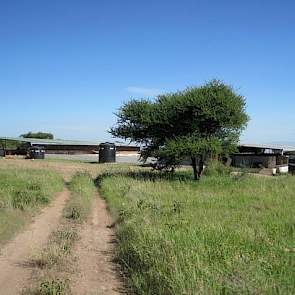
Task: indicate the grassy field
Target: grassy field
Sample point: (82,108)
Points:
(222,235)
(22,193)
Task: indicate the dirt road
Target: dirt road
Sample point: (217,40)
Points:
(15,269)
(97,273)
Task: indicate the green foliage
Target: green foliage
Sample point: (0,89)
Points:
(8,144)
(215,168)
(174,149)
(195,122)
(224,235)
(41,135)
(54,287)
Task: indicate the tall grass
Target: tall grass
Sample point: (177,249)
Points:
(82,192)
(22,192)
(222,235)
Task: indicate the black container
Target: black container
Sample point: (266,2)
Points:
(37,152)
(107,153)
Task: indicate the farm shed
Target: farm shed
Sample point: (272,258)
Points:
(291,154)
(260,156)
(72,149)
(69,147)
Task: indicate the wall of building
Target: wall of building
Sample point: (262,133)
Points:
(70,149)
(282,160)
(254,161)
(83,149)
(127,148)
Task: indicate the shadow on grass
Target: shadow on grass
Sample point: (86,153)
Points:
(150,176)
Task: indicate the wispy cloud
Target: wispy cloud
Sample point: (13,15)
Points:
(144,91)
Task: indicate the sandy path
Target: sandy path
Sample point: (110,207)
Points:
(15,270)
(97,273)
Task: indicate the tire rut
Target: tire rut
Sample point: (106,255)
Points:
(15,268)
(97,272)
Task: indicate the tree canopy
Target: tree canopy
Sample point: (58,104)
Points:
(195,123)
(40,135)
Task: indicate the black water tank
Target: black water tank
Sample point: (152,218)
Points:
(37,152)
(107,152)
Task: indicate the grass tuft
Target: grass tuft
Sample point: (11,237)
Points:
(54,287)
(59,248)
(82,191)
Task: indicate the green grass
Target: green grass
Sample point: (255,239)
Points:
(22,193)
(54,287)
(222,235)
(82,192)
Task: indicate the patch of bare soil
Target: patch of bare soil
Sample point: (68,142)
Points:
(15,269)
(97,272)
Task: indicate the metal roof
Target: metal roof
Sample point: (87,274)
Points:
(285,148)
(60,141)
(51,141)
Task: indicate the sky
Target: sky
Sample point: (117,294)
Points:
(66,66)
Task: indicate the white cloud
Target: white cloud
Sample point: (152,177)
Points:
(144,91)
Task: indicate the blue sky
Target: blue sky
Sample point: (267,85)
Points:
(67,65)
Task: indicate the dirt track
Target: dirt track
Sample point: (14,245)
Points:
(94,252)
(97,274)
(15,269)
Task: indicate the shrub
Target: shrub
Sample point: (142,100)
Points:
(215,168)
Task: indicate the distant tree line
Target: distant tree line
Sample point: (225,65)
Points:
(40,135)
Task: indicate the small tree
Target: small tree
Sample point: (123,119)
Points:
(199,122)
(39,135)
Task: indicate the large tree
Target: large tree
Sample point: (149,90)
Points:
(199,122)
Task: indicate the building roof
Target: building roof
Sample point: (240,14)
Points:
(285,148)
(51,141)
(58,141)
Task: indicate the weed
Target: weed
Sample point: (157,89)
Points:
(54,287)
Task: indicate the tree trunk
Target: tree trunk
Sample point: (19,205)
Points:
(201,167)
(194,165)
